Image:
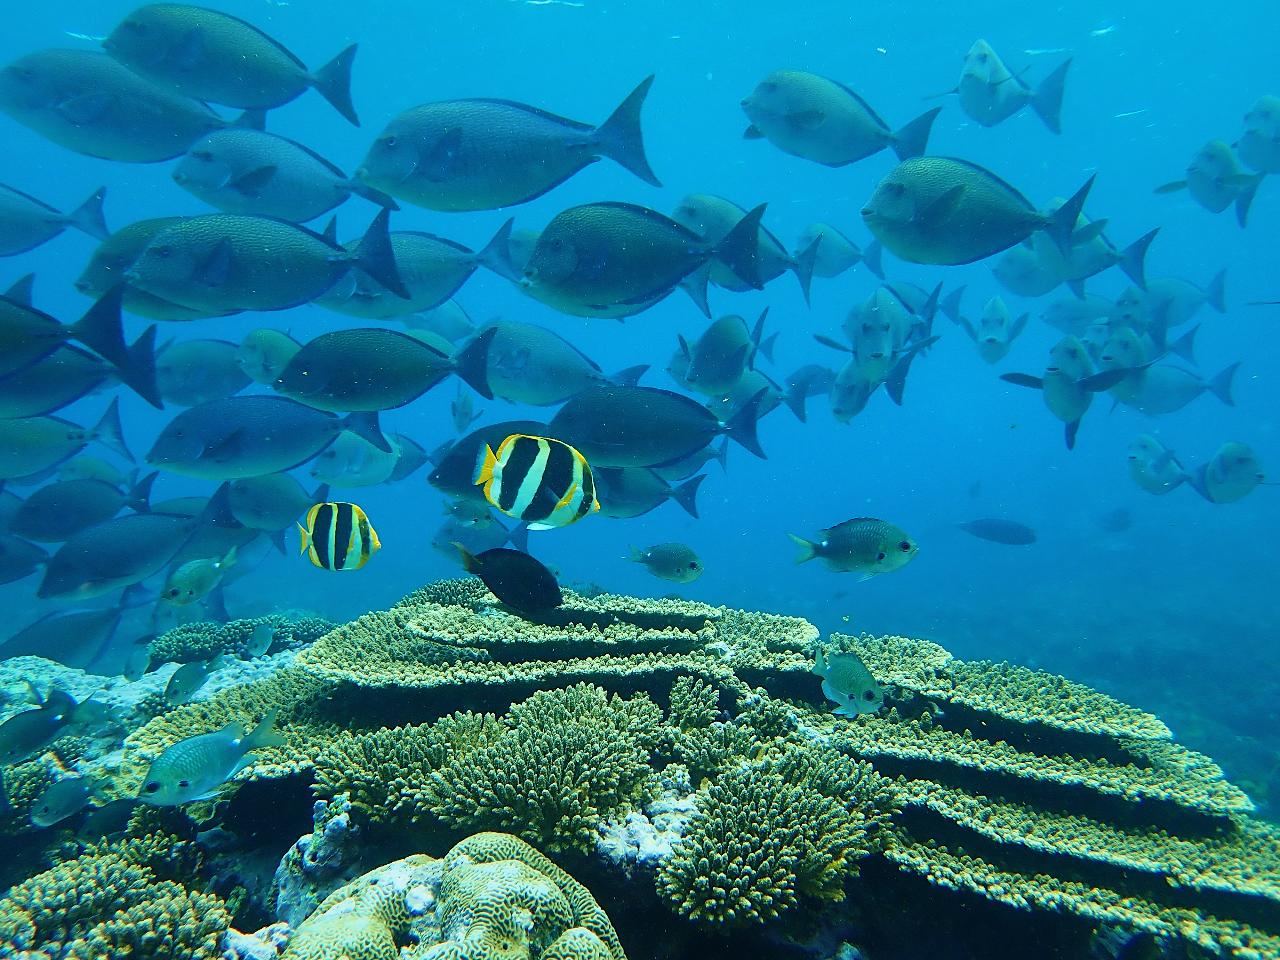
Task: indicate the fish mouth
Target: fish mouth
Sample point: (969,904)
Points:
(1052,369)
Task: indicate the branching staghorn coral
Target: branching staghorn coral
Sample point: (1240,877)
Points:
(203,639)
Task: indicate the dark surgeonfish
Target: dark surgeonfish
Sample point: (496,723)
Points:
(373,368)
(54,382)
(28,335)
(627,492)
(515,578)
(616,426)
(189,372)
(1259,145)
(1231,474)
(619,259)
(30,731)
(126,550)
(338,536)
(87,102)
(454,470)
(18,558)
(262,174)
(717,359)
(223,262)
(544,482)
(72,637)
(485,154)
(272,502)
(1216,181)
(817,119)
(250,436)
(531,364)
(264,353)
(112,260)
(36,444)
(941,210)
(26,223)
(62,509)
(999,530)
(210,55)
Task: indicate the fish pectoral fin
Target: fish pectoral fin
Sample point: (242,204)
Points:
(805,120)
(1172,187)
(225,449)
(1023,380)
(84,109)
(941,207)
(752,133)
(831,693)
(215,269)
(440,163)
(251,184)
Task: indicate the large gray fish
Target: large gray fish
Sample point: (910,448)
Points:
(197,767)
(615,426)
(999,530)
(1069,383)
(534,365)
(836,253)
(265,175)
(941,210)
(18,558)
(1159,388)
(72,637)
(373,368)
(26,222)
(126,550)
(818,119)
(618,259)
(30,446)
(725,350)
(196,371)
(629,492)
(810,380)
(264,353)
(486,154)
(272,502)
(995,330)
(222,262)
(1230,475)
(1154,467)
(990,93)
(250,436)
(30,731)
(1216,181)
(60,510)
(113,258)
(89,103)
(210,55)
(712,217)
(1170,302)
(455,470)
(432,269)
(28,335)
(52,383)
(352,461)
(1259,145)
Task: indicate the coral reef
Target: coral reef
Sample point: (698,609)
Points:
(203,639)
(491,896)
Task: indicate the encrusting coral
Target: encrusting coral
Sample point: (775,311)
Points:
(491,896)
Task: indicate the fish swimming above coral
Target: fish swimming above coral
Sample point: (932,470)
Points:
(196,768)
(515,578)
(863,545)
(541,481)
(676,562)
(338,536)
(848,683)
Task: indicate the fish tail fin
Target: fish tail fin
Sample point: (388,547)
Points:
(485,465)
(950,304)
(217,512)
(469,563)
(802,265)
(138,499)
(1069,433)
(912,139)
(873,258)
(629,376)
(518,536)
(108,431)
(101,329)
(321,493)
(333,82)
(264,734)
(21,290)
(896,382)
(1244,200)
(362,189)
(758,343)
(496,254)
(364,424)
(276,537)
(687,495)
(1216,293)
(808,549)
(1047,101)
(1062,223)
(766,347)
(1221,385)
(619,137)
(229,558)
(741,427)
(794,398)
(1133,258)
(471,363)
(740,249)
(721,456)
(304,539)
(634,554)
(695,285)
(88,217)
(375,256)
(255,118)
(1185,345)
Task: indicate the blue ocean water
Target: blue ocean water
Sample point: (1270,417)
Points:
(1175,614)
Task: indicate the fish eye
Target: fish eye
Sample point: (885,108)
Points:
(152,787)
(389,142)
(768,86)
(164,253)
(869,695)
(880,556)
(693,564)
(183,784)
(905,546)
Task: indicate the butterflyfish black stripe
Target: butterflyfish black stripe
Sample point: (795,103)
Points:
(366,541)
(321,533)
(522,455)
(342,536)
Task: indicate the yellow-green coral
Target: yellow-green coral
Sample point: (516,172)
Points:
(203,639)
(694,703)
(770,834)
(491,897)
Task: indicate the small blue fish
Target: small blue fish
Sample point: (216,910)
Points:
(847,682)
(197,767)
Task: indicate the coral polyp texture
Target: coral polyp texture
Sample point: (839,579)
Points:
(491,896)
(691,749)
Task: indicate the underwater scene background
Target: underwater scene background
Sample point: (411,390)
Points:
(1163,602)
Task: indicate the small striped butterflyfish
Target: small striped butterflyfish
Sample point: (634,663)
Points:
(544,482)
(338,536)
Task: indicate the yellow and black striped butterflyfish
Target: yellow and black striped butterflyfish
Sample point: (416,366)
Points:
(338,536)
(544,482)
